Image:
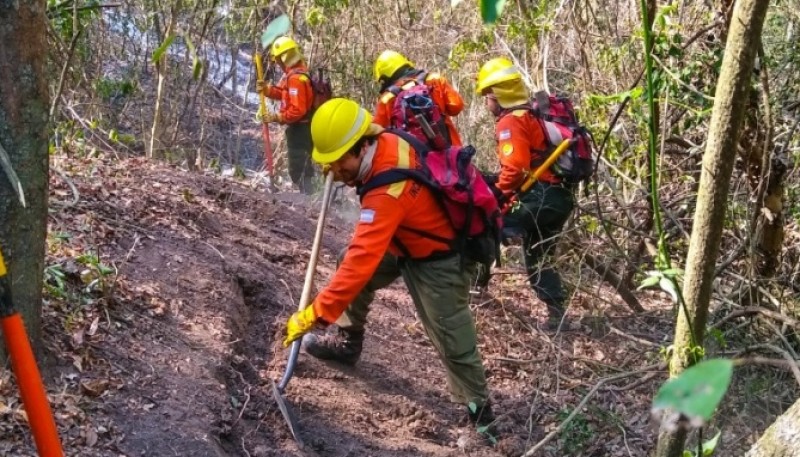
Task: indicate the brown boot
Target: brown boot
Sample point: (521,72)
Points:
(343,346)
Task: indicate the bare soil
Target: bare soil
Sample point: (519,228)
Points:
(172,353)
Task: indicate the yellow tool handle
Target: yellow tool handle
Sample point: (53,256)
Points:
(260,75)
(533,177)
(2,265)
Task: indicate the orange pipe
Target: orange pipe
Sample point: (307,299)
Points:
(29,380)
(31,389)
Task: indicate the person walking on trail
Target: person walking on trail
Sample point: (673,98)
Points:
(388,243)
(296,95)
(543,210)
(395,73)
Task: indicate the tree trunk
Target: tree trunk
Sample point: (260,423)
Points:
(782,438)
(24,104)
(161,70)
(729,101)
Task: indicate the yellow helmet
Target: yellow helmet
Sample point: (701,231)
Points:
(388,63)
(496,71)
(336,126)
(282,45)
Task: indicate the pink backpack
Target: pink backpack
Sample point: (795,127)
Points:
(415,112)
(461,191)
(560,123)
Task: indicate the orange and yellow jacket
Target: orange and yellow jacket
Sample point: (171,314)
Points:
(521,144)
(389,214)
(443,94)
(295,93)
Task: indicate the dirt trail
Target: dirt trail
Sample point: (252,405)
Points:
(173,357)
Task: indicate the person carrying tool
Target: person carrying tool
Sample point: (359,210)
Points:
(390,242)
(396,73)
(542,211)
(296,95)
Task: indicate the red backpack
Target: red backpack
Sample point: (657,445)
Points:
(415,112)
(559,123)
(461,191)
(320,87)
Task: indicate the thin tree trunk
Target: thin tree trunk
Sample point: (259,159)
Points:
(729,101)
(782,438)
(24,105)
(161,70)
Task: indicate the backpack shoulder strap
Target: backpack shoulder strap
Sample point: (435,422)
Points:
(394,175)
(421,148)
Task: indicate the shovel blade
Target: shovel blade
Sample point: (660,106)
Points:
(288,414)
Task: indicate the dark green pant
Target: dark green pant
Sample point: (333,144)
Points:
(299,145)
(440,291)
(540,216)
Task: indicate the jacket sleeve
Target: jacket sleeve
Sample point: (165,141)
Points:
(275,92)
(383,110)
(445,95)
(296,99)
(380,217)
(513,151)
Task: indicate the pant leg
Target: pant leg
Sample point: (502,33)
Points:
(355,316)
(541,215)
(299,145)
(440,290)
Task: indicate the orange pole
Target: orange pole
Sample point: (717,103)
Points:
(29,380)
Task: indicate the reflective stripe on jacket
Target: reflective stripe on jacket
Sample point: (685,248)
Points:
(520,143)
(295,93)
(385,213)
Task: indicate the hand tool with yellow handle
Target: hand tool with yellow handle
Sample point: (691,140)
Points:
(534,176)
(305,299)
(264,125)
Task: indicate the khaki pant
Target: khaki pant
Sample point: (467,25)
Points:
(440,291)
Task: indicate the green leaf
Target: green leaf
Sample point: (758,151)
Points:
(473,407)
(491,10)
(649,281)
(697,392)
(671,272)
(710,445)
(159,52)
(688,453)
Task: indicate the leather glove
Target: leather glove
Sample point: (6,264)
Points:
(263,87)
(271,117)
(300,323)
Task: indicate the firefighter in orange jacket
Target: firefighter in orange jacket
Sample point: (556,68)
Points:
(544,209)
(296,96)
(393,69)
(389,242)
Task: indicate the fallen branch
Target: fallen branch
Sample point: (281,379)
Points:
(532,451)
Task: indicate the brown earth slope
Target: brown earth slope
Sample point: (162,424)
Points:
(167,294)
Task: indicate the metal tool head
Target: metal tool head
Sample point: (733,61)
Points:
(279,26)
(288,414)
(5,164)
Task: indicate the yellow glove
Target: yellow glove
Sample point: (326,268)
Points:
(299,324)
(263,87)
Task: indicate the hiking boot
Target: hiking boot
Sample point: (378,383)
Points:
(343,346)
(484,420)
(482,415)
